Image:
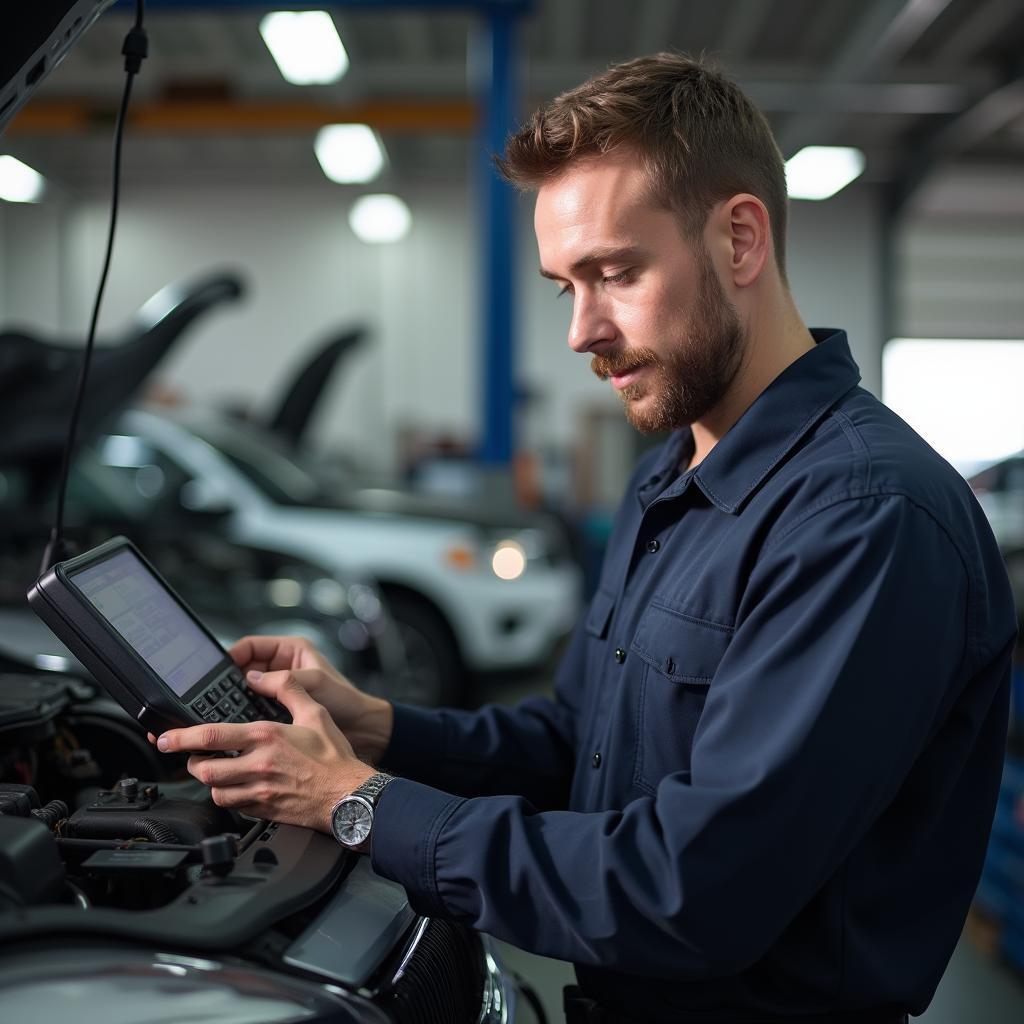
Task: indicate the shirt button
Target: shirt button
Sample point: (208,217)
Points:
(653,545)
(596,760)
(620,655)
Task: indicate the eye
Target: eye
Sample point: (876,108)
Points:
(622,277)
(565,289)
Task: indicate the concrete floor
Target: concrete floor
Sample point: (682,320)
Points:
(974,990)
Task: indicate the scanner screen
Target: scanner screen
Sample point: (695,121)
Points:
(149,618)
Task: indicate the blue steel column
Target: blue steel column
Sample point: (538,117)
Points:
(498,104)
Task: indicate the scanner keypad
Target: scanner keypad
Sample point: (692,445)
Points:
(228,699)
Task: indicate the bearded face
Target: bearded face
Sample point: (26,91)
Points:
(693,370)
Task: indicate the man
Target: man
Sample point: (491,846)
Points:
(763,789)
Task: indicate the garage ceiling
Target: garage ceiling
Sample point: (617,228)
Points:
(914,83)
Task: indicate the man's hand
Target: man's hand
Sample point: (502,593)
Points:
(289,773)
(269,661)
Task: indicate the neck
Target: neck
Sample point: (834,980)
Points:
(776,338)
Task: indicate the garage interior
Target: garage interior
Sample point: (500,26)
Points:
(421,381)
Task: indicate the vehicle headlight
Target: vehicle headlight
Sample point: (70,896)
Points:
(506,553)
(509,560)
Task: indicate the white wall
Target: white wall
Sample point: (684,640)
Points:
(32,265)
(308,275)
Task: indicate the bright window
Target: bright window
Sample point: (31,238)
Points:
(965,398)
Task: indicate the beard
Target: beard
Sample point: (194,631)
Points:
(688,381)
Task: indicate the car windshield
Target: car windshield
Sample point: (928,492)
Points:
(258,456)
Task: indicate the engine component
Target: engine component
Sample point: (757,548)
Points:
(139,809)
(31,870)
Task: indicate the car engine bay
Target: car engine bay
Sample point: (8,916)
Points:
(115,863)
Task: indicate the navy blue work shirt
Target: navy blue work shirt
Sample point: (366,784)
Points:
(766,780)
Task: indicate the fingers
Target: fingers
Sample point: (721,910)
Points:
(288,688)
(213,737)
(251,768)
(268,653)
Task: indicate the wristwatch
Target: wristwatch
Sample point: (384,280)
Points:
(352,817)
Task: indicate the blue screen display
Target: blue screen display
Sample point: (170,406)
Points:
(149,618)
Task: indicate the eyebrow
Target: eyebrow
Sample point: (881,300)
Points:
(600,255)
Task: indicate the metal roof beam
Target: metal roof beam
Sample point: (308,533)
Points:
(987,115)
(987,20)
(886,31)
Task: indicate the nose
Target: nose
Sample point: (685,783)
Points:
(591,326)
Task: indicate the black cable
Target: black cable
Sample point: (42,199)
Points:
(135,49)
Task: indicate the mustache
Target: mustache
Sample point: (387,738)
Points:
(618,363)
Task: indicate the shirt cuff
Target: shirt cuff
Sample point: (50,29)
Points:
(417,738)
(407,821)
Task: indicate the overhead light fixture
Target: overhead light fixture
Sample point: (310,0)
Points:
(350,154)
(817,172)
(305,45)
(380,218)
(20,183)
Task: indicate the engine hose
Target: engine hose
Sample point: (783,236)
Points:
(54,811)
(153,829)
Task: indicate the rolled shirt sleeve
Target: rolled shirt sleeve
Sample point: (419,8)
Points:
(851,645)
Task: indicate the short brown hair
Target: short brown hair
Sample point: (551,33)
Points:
(700,138)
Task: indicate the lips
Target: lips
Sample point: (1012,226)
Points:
(621,369)
(621,380)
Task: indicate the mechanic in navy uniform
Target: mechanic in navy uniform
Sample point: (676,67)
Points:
(763,788)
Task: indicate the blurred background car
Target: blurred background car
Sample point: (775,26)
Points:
(999,487)
(469,592)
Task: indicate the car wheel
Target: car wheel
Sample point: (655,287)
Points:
(434,675)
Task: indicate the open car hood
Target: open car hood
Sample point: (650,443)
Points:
(39,375)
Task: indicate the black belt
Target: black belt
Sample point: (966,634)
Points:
(580,1009)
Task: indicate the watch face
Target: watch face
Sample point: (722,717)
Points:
(352,820)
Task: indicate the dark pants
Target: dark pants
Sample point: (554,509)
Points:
(579,1009)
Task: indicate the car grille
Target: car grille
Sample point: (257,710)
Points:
(443,980)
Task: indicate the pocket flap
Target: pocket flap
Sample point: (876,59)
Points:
(680,647)
(598,616)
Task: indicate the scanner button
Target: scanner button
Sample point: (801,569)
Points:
(213,693)
(235,676)
(225,708)
(212,716)
(200,706)
(236,697)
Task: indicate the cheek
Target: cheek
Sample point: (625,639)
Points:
(650,313)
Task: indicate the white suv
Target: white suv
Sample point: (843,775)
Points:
(471,595)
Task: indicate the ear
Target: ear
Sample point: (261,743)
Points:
(744,219)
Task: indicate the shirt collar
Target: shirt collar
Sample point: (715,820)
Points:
(775,422)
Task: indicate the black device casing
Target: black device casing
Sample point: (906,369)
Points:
(118,669)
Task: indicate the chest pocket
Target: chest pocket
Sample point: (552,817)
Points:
(680,655)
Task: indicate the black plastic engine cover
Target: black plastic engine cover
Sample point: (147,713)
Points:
(162,820)
(31,871)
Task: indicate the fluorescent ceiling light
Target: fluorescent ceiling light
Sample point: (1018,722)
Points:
(817,172)
(19,183)
(305,45)
(380,218)
(349,154)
